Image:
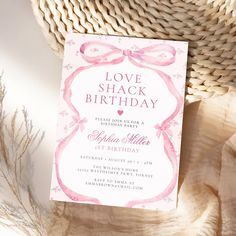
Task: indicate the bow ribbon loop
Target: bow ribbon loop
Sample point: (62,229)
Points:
(163,129)
(96,52)
(80,122)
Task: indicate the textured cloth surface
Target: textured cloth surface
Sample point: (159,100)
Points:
(208,25)
(207,189)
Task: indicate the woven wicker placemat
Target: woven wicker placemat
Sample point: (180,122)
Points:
(208,25)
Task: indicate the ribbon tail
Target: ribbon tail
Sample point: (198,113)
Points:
(169,132)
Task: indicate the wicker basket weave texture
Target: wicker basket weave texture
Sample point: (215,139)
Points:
(208,25)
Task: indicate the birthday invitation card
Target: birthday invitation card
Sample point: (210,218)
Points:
(120,121)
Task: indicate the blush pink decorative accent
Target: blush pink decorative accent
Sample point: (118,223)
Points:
(80,122)
(120,112)
(161,129)
(141,58)
(143,55)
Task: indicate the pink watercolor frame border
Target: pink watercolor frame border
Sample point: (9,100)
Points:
(163,129)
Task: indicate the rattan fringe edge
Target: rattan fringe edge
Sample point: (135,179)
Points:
(208,25)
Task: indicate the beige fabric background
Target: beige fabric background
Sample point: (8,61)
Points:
(207,189)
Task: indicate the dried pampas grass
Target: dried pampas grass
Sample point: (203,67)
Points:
(19,209)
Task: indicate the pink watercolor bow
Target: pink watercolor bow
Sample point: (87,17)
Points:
(80,122)
(163,128)
(116,55)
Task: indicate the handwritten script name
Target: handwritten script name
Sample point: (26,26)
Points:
(102,137)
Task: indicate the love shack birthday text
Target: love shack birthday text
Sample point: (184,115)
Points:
(113,92)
